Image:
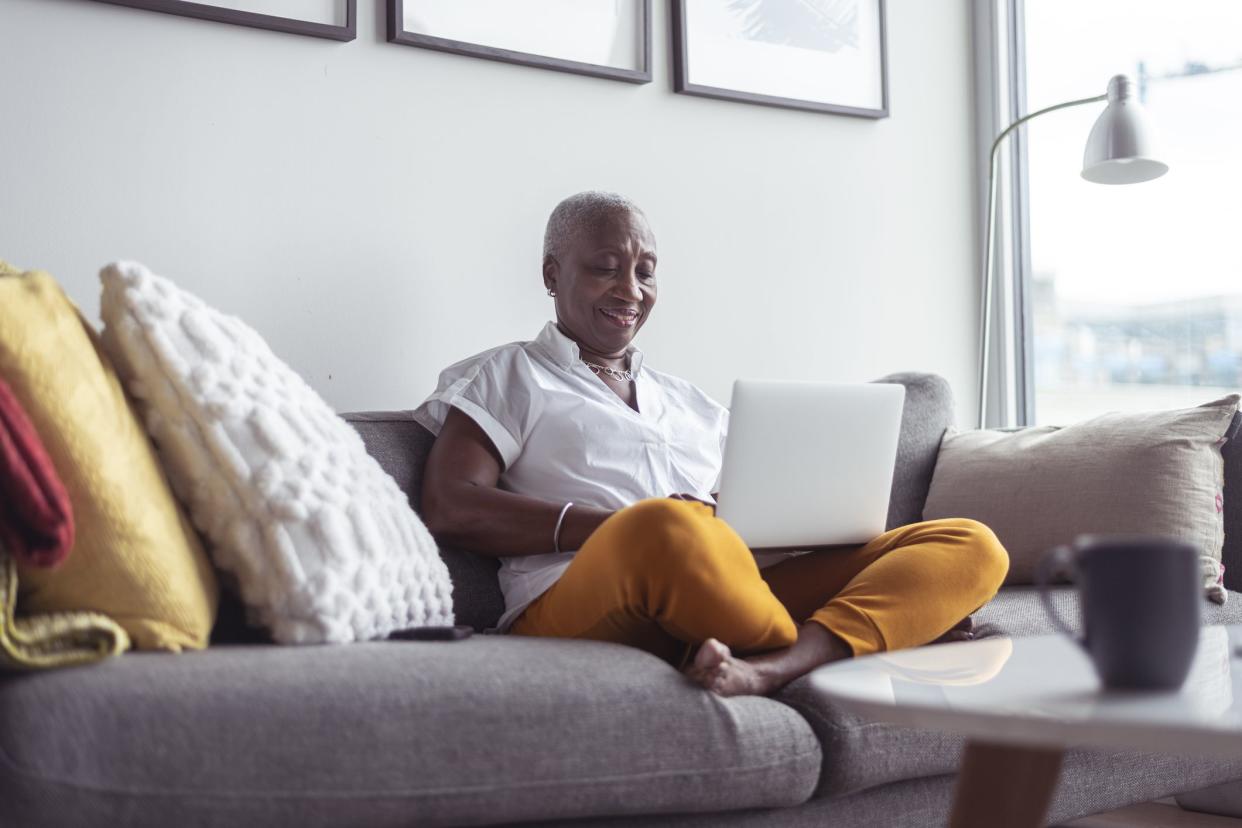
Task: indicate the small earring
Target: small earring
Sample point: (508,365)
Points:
(551,292)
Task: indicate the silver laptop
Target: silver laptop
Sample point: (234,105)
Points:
(809,463)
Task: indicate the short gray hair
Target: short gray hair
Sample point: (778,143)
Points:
(581,211)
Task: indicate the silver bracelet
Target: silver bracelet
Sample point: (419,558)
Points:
(556,533)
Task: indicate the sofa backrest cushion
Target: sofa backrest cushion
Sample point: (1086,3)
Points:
(926,415)
(401,446)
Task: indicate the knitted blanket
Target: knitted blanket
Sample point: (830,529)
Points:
(61,639)
(36,517)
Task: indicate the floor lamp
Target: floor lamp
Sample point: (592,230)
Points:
(1120,150)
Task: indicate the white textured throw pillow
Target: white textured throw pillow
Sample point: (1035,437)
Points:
(322,543)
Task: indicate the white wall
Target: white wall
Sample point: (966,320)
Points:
(376,210)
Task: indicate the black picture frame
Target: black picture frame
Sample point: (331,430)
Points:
(682,84)
(206,11)
(397,34)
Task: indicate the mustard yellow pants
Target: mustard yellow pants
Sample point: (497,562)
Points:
(663,574)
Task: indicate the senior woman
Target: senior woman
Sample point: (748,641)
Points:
(589,474)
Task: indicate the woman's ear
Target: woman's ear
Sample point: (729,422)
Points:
(551,267)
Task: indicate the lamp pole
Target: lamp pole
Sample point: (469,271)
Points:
(985,335)
(1119,151)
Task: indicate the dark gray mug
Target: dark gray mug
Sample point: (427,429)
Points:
(1140,597)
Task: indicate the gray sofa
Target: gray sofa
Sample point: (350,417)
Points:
(500,729)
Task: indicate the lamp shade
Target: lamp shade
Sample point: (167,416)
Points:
(1121,146)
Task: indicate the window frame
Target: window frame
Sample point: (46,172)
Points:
(1001,98)
(1000,95)
(1024,318)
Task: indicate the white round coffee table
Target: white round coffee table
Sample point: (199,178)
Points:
(1021,701)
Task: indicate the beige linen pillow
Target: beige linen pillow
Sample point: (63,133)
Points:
(1157,472)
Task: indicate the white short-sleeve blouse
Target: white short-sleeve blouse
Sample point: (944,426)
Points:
(564,435)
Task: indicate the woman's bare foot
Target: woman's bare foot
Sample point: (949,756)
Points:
(717,669)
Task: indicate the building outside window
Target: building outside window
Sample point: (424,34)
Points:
(1134,292)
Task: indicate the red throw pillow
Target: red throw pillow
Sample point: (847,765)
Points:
(36,519)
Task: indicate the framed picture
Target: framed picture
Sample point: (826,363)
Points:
(822,55)
(604,38)
(333,19)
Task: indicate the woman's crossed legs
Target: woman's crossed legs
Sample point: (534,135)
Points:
(664,575)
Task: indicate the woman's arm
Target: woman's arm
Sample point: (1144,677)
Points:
(462,506)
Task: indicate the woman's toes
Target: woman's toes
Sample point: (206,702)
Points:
(710,665)
(710,655)
(716,669)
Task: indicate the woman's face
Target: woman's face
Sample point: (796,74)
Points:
(605,283)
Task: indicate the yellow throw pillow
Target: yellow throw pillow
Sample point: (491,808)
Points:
(136,558)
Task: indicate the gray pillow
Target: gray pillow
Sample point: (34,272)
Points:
(1148,473)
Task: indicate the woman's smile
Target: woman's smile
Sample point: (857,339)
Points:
(620,317)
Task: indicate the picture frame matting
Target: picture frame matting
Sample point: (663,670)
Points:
(206,11)
(683,84)
(398,34)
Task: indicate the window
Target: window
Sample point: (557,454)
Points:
(1134,293)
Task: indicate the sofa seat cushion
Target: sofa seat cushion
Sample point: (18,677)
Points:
(1017,611)
(491,729)
(859,754)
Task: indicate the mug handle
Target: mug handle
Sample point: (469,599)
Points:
(1059,557)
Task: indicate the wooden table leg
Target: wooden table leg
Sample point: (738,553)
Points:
(1004,785)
